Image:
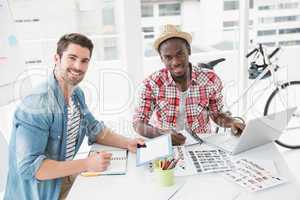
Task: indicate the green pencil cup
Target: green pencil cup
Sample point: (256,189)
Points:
(165,177)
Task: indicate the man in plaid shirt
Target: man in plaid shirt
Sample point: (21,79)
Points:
(181,96)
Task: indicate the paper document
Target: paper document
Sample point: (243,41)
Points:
(156,148)
(253,176)
(118,164)
(199,161)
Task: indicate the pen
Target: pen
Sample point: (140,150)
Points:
(173,164)
(166,165)
(89,174)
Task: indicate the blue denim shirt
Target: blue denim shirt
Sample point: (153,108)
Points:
(39,132)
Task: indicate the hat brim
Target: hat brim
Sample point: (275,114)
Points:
(183,35)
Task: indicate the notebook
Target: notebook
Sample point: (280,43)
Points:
(118,164)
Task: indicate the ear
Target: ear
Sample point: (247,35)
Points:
(56,59)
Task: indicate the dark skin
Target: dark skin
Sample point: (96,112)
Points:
(174,54)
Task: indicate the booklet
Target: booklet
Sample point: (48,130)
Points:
(199,161)
(253,176)
(118,164)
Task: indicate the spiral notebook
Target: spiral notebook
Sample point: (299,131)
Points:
(118,164)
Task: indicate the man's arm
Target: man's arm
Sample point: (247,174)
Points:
(147,130)
(51,169)
(108,137)
(223,120)
(150,131)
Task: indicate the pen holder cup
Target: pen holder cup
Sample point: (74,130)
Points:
(165,177)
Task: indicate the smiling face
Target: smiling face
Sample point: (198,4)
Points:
(174,53)
(72,65)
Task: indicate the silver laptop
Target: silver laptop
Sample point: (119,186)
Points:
(257,132)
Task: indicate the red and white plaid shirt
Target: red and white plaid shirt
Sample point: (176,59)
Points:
(160,95)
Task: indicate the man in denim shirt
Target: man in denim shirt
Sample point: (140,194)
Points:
(47,133)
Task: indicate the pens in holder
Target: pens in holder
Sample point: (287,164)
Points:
(141,146)
(167,164)
(173,163)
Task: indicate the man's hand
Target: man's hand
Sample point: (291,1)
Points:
(177,138)
(132,144)
(237,128)
(98,161)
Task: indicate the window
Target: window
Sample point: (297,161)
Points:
(289,43)
(289,5)
(110,49)
(287,18)
(149,36)
(108,17)
(266,7)
(231,5)
(266,32)
(266,20)
(169,9)
(269,44)
(251,3)
(289,30)
(148,29)
(147,10)
(230,23)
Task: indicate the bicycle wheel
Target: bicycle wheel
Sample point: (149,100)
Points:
(288,95)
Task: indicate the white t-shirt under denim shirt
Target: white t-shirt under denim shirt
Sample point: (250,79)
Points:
(73,126)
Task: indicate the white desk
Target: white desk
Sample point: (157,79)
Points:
(139,183)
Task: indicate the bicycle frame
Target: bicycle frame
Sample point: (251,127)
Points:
(275,82)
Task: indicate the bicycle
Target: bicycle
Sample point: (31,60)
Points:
(280,98)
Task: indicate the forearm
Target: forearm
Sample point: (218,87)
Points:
(51,169)
(223,119)
(108,137)
(147,130)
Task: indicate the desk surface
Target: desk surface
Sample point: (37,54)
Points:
(139,183)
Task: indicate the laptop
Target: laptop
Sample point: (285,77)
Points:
(257,132)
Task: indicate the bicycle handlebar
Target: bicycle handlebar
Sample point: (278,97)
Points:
(253,51)
(260,49)
(274,52)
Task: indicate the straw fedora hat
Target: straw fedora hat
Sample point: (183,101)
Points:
(170,31)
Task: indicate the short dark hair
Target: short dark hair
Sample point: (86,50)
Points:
(178,38)
(75,38)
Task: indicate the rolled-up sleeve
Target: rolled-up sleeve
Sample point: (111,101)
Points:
(144,104)
(94,127)
(31,136)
